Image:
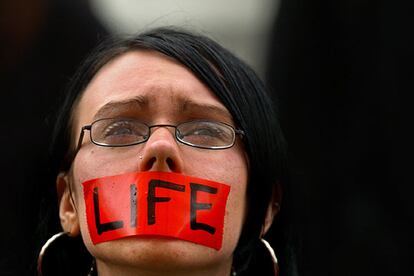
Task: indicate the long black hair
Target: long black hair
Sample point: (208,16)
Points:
(238,87)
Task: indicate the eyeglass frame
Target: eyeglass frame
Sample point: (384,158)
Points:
(236,132)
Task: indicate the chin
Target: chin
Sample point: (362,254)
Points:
(157,252)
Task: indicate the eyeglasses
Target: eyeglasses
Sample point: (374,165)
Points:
(122,132)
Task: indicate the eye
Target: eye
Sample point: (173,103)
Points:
(201,129)
(119,128)
(209,134)
(119,132)
(206,131)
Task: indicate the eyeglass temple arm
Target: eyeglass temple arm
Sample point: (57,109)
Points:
(88,127)
(239,132)
(70,157)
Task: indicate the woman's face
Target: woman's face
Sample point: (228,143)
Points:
(155,89)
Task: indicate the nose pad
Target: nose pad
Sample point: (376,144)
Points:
(161,153)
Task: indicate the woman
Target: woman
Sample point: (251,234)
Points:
(177,107)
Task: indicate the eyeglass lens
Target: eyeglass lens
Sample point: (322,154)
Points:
(123,132)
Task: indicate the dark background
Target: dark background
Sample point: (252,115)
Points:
(342,72)
(41,44)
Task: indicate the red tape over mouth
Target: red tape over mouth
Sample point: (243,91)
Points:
(156,204)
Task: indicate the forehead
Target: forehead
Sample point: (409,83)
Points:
(146,77)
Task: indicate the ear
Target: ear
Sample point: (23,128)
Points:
(67,211)
(273,208)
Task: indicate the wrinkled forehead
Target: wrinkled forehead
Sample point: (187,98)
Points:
(149,81)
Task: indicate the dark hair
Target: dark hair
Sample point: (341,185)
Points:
(244,95)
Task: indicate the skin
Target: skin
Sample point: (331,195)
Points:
(157,90)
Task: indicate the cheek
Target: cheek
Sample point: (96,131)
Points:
(226,166)
(95,162)
(236,208)
(230,168)
(88,165)
(80,207)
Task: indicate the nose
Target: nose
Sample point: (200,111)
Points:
(161,152)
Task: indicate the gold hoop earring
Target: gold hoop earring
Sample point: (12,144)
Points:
(272,255)
(44,248)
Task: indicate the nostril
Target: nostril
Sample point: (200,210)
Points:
(155,163)
(149,164)
(171,164)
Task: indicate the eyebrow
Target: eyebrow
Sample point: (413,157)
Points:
(189,105)
(141,102)
(136,102)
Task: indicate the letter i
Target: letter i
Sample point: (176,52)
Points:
(133,197)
